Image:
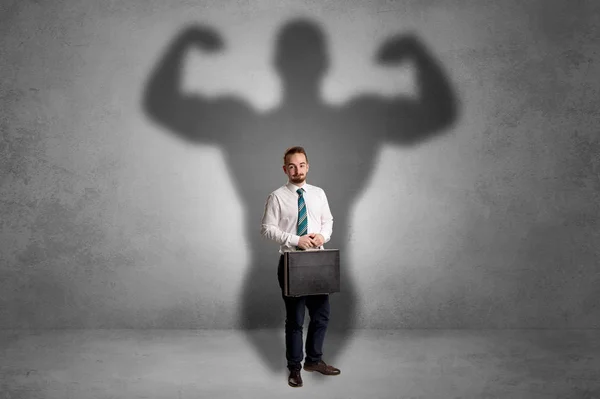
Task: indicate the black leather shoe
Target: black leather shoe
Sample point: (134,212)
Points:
(295,380)
(322,368)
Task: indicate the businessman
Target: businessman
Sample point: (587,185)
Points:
(297,217)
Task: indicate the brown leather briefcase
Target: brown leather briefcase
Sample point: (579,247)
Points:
(311,272)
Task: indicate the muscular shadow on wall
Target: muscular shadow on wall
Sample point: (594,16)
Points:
(341,142)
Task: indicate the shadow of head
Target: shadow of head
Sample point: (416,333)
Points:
(300,53)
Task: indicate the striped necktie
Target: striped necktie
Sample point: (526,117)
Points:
(302,217)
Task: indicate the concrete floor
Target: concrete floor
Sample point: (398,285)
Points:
(179,364)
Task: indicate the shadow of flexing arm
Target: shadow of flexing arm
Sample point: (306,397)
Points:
(404,120)
(192,117)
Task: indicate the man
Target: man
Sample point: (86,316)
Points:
(297,217)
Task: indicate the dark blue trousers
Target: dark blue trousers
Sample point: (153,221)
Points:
(318,310)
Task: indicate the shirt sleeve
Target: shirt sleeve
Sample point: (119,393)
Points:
(270,224)
(326,219)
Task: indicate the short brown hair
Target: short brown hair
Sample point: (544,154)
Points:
(294,150)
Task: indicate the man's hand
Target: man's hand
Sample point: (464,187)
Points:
(305,242)
(317,239)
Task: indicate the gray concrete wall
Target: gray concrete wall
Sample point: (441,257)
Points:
(476,209)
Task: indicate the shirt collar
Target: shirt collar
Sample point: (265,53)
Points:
(293,188)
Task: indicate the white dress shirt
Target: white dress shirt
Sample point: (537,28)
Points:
(279,222)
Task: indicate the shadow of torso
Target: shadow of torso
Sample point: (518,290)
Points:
(341,155)
(342,144)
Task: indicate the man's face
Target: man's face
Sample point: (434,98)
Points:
(296,168)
